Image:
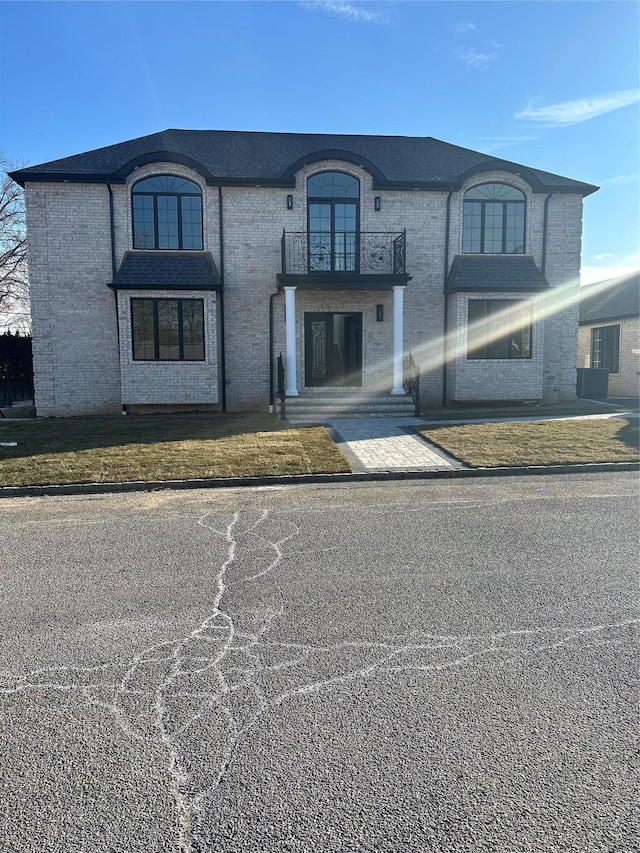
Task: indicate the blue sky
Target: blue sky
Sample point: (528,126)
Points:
(553,85)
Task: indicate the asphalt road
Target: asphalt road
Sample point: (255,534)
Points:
(414,666)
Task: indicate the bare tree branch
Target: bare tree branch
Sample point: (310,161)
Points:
(14,278)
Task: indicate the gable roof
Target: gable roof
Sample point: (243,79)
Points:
(271,159)
(508,273)
(613,299)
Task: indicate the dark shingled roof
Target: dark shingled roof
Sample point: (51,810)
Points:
(490,272)
(243,157)
(613,299)
(172,270)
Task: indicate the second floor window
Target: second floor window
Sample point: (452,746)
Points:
(167,213)
(493,220)
(334,210)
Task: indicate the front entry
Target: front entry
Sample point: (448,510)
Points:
(333,349)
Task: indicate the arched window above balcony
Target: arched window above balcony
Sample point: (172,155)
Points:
(493,220)
(333,222)
(167,213)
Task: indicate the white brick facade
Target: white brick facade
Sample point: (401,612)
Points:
(82,343)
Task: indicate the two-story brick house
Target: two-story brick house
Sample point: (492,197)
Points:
(171,270)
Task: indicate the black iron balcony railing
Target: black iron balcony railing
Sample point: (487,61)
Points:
(360,253)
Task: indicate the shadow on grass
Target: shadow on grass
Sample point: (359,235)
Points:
(629,433)
(70,435)
(476,411)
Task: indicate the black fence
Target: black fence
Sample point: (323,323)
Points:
(12,390)
(16,369)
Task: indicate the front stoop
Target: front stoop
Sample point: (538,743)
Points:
(314,407)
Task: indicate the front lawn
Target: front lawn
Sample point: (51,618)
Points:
(161,447)
(552,442)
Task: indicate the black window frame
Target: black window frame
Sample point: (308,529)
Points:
(333,201)
(156,328)
(154,195)
(607,355)
(505,204)
(515,343)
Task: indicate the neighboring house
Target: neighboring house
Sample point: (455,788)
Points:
(609,334)
(171,270)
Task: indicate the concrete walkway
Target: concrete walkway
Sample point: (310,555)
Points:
(374,445)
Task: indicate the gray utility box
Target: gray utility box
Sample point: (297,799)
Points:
(593,383)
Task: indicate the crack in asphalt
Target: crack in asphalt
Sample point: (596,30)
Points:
(201,694)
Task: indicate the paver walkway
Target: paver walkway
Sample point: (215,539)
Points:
(388,444)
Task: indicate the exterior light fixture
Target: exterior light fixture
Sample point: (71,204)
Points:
(377,203)
(289,202)
(379,313)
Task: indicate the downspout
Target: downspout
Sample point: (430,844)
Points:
(271,384)
(223,374)
(112,228)
(113,262)
(446,302)
(283,268)
(544,233)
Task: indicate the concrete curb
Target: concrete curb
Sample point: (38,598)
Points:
(306,479)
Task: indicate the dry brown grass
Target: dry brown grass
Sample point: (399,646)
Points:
(161,447)
(552,442)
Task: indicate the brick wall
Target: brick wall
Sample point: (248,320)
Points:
(169,382)
(75,349)
(76,357)
(492,379)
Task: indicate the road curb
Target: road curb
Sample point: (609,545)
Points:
(308,479)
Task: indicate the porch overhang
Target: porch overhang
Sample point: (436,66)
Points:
(342,281)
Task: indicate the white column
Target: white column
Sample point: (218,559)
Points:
(398,339)
(290,329)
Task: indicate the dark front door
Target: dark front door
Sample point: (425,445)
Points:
(333,349)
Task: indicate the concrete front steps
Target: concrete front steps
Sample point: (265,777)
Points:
(326,405)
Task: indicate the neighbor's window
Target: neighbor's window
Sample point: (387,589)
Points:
(493,220)
(499,328)
(167,329)
(605,348)
(167,213)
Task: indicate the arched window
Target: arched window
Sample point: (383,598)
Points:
(167,213)
(333,222)
(493,220)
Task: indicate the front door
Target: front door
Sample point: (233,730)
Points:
(333,349)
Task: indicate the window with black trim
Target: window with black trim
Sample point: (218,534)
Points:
(167,213)
(605,348)
(333,222)
(167,329)
(493,220)
(499,328)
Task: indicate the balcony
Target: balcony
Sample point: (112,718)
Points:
(337,260)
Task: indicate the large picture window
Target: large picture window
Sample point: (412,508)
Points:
(493,220)
(167,213)
(499,328)
(167,329)
(605,348)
